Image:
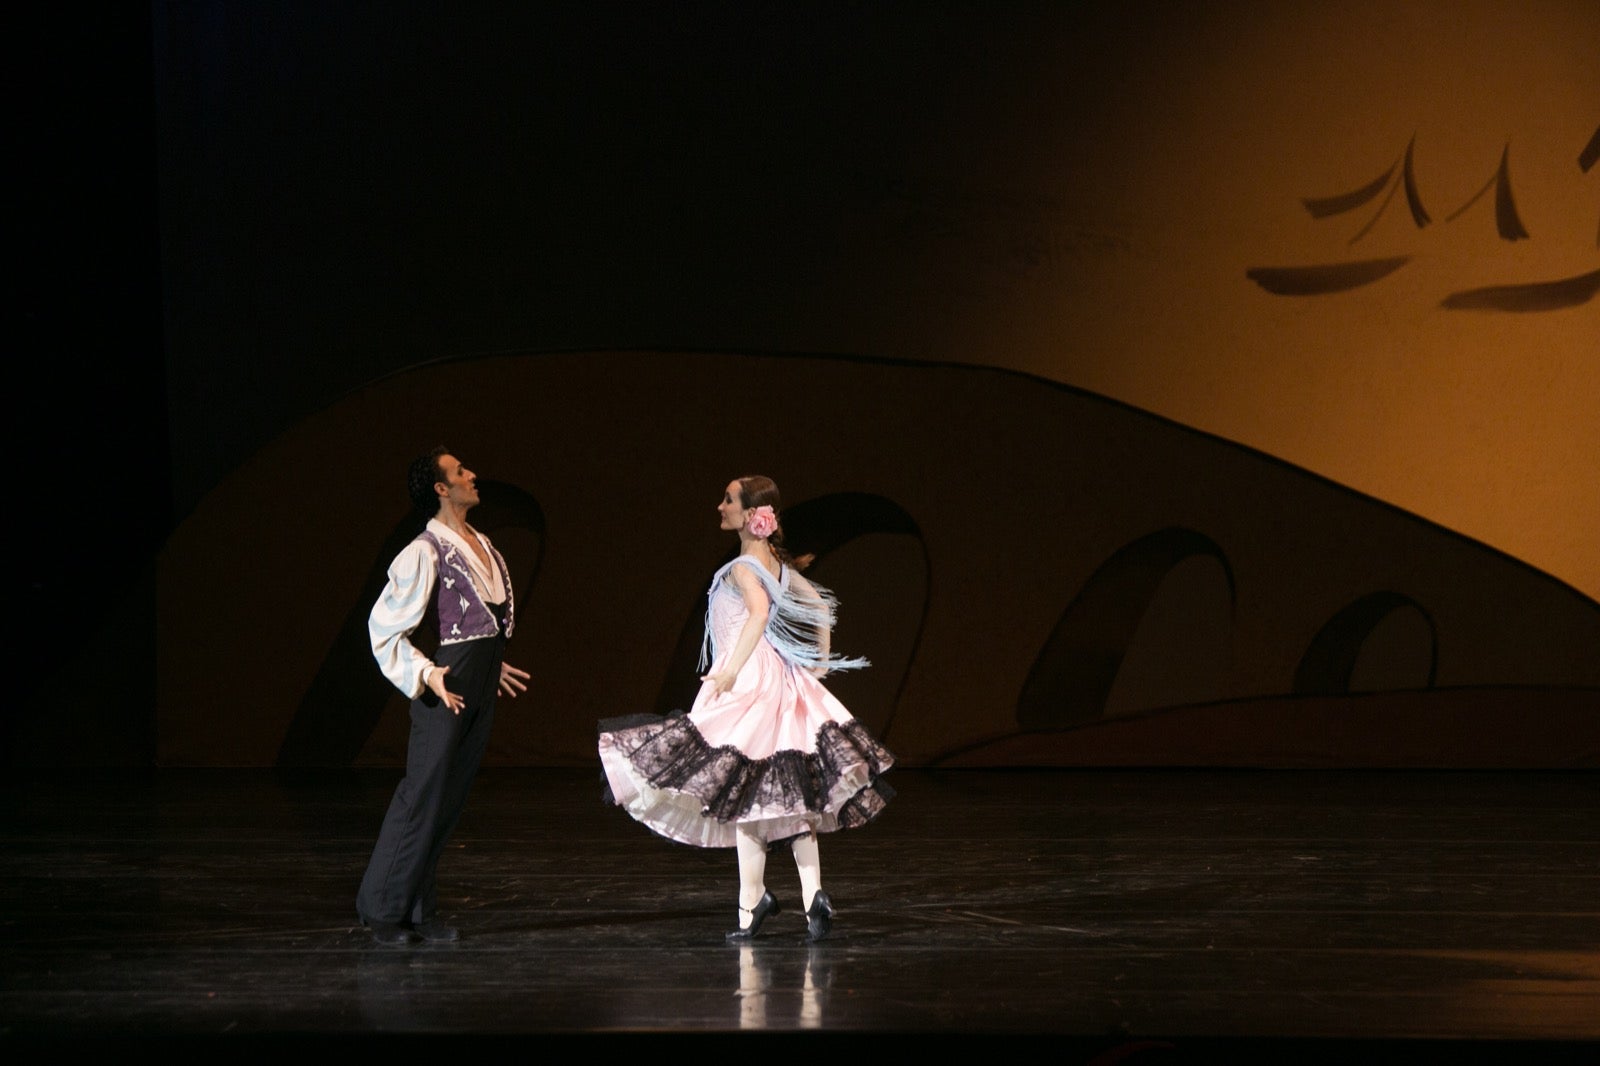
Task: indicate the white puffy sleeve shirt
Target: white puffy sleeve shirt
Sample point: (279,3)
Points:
(404,602)
(398,612)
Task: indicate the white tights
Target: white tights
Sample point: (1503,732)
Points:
(753,870)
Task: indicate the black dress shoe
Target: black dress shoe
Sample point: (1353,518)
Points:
(437,932)
(819,917)
(390,933)
(758,914)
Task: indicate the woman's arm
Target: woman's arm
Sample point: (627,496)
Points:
(758,604)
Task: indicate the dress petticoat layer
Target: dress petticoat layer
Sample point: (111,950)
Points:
(666,775)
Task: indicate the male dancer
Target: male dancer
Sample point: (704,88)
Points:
(451,575)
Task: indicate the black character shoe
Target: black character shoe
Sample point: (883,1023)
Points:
(819,917)
(436,932)
(758,914)
(390,934)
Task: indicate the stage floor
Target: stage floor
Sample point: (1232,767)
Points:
(1122,914)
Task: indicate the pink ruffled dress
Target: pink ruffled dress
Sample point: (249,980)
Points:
(777,754)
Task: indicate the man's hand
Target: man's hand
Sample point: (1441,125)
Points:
(511,680)
(446,697)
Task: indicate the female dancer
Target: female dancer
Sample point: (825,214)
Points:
(766,754)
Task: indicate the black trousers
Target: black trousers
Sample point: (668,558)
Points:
(442,758)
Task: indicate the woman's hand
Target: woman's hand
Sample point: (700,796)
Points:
(446,697)
(511,680)
(721,682)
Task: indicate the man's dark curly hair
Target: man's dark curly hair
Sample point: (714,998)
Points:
(423,474)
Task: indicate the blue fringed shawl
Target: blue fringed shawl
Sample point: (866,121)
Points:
(793,620)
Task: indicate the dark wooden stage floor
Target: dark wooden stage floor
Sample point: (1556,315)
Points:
(1123,915)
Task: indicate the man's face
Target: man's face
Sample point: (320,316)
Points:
(460,485)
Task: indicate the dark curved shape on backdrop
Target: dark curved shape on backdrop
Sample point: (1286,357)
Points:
(1078,664)
(1330,658)
(814,527)
(1591,152)
(1419,214)
(346,698)
(1324,278)
(1506,220)
(1326,206)
(1533,296)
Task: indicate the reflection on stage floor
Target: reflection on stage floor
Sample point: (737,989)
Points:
(1120,913)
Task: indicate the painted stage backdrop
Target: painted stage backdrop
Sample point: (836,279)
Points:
(1157,383)
(1040,576)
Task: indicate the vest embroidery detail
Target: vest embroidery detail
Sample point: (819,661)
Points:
(462,613)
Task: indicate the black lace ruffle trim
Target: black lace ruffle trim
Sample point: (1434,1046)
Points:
(671,754)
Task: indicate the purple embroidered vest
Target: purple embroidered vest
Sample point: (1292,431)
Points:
(462,613)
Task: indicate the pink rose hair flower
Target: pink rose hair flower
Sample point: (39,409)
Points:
(761,522)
